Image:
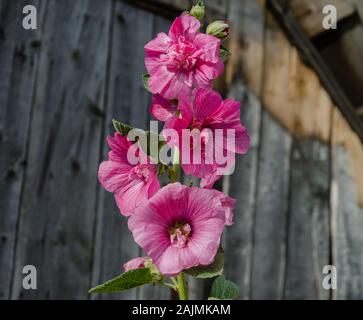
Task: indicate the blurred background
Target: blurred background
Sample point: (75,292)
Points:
(299,190)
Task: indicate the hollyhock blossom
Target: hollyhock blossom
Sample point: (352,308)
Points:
(132,184)
(182,60)
(135,263)
(207,112)
(228,205)
(179,227)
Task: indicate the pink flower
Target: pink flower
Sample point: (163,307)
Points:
(136,263)
(183,59)
(210,115)
(228,205)
(132,184)
(179,227)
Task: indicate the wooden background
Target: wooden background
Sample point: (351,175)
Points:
(60,86)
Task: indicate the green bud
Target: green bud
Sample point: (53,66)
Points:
(198,10)
(219,29)
(155,273)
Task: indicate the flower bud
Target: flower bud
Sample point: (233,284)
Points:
(198,10)
(219,29)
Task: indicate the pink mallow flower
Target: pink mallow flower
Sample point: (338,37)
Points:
(136,263)
(132,184)
(207,113)
(183,59)
(228,205)
(180,227)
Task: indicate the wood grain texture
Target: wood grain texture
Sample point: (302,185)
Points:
(58,204)
(310,15)
(348,236)
(242,186)
(18,64)
(308,244)
(246,42)
(269,241)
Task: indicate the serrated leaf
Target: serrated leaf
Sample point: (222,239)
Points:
(224,53)
(122,128)
(213,270)
(223,289)
(145,78)
(128,280)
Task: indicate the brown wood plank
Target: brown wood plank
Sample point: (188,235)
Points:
(313,58)
(309,13)
(58,205)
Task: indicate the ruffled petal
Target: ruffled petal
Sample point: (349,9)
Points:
(185,25)
(158,45)
(209,45)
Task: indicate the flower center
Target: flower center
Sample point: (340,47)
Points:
(141,171)
(179,235)
(181,54)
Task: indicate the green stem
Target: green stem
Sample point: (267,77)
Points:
(170,285)
(174,171)
(174,176)
(182,286)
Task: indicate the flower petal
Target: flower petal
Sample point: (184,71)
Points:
(184,25)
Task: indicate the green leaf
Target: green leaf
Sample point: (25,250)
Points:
(223,289)
(213,270)
(122,128)
(128,280)
(145,79)
(224,53)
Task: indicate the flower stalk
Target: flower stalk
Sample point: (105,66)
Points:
(182,286)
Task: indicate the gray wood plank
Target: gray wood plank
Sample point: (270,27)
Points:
(347,229)
(269,241)
(247,24)
(18,63)
(308,221)
(59,200)
(238,240)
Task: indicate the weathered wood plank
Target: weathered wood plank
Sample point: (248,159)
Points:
(215,9)
(310,13)
(18,63)
(273,171)
(347,229)
(247,26)
(308,239)
(128,101)
(58,203)
(246,42)
(308,228)
(238,241)
(269,242)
